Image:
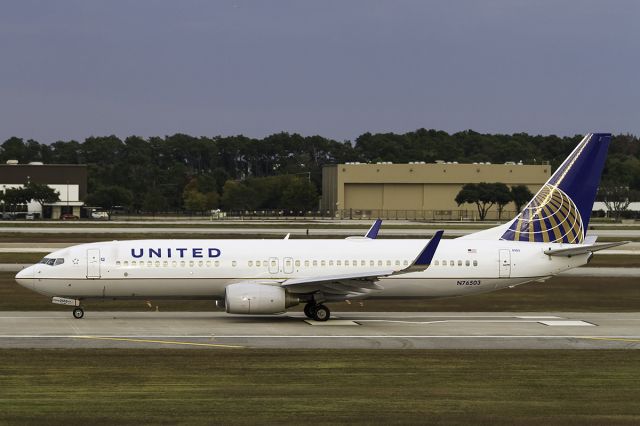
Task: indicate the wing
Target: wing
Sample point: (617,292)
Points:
(361,283)
(574,251)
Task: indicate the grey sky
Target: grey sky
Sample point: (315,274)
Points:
(71,69)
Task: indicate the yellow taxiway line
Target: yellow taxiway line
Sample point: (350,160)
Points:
(615,339)
(165,342)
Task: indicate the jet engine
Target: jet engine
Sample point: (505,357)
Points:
(249,298)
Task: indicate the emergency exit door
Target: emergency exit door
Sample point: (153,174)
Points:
(93,263)
(505,263)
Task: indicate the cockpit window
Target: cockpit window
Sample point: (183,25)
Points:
(51,261)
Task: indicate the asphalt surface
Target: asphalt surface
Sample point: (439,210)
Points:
(209,330)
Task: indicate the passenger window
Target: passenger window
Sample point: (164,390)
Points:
(297,263)
(174,264)
(388,263)
(250,263)
(323,263)
(134,263)
(315,263)
(208,264)
(405,263)
(157,263)
(363,263)
(338,263)
(142,264)
(397,263)
(346,263)
(372,263)
(379,262)
(459,262)
(191,263)
(452,263)
(217,263)
(182,264)
(149,263)
(475,263)
(467,263)
(354,263)
(437,263)
(234,263)
(117,263)
(257,263)
(126,263)
(201,263)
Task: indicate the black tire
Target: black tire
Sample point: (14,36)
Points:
(321,313)
(78,313)
(308,310)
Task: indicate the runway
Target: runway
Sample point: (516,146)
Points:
(406,330)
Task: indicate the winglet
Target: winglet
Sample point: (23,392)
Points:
(425,257)
(373,231)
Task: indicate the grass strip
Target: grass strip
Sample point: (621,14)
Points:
(227,386)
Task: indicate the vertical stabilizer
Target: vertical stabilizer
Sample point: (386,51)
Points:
(561,209)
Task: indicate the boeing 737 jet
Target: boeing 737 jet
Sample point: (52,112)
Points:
(549,236)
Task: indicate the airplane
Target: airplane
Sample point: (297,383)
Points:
(547,237)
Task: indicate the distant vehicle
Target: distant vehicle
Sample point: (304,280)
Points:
(30,216)
(268,276)
(100,215)
(68,216)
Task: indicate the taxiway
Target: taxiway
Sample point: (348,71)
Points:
(408,330)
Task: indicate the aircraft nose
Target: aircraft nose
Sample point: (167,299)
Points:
(25,277)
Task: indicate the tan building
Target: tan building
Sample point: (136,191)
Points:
(417,190)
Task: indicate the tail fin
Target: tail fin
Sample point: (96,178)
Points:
(561,209)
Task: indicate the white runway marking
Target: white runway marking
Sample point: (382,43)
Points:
(323,336)
(568,323)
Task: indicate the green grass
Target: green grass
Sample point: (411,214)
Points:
(592,294)
(229,386)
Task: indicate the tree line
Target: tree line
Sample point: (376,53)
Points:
(284,171)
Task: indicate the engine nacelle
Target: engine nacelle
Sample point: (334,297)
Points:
(247,298)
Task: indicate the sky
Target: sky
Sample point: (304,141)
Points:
(337,68)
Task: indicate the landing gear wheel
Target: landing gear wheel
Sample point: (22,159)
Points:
(321,313)
(78,313)
(308,310)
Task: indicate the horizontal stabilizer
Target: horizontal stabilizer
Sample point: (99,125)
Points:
(574,251)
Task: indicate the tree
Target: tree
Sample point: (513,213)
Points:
(41,193)
(299,194)
(502,196)
(14,197)
(195,201)
(109,197)
(481,194)
(520,195)
(238,196)
(154,201)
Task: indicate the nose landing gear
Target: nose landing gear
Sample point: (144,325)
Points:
(78,313)
(317,312)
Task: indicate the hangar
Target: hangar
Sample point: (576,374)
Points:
(70,180)
(418,190)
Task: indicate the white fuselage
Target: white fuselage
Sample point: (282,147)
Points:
(203,268)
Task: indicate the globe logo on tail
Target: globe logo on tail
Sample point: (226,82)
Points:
(551,216)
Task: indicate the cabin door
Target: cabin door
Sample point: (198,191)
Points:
(505,263)
(93,263)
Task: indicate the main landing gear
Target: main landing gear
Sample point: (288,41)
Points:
(78,313)
(317,312)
